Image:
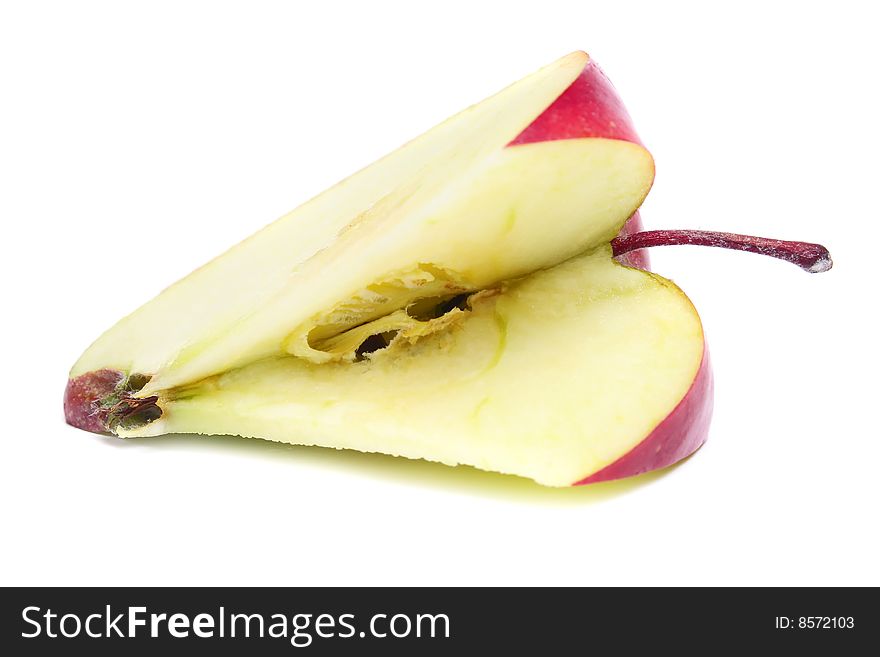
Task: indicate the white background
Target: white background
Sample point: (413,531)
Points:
(138,140)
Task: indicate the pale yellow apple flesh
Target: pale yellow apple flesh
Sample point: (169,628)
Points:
(537,377)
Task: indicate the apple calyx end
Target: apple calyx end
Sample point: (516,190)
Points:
(104,400)
(812,258)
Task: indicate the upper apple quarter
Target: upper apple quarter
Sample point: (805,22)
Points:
(582,187)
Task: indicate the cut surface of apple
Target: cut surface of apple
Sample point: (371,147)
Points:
(553,376)
(458,209)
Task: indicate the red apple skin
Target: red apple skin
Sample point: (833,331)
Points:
(679,434)
(589,107)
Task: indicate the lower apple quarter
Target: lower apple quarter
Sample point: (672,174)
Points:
(554,377)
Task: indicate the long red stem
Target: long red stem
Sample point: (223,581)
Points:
(813,258)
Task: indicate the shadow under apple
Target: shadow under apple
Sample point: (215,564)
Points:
(461,479)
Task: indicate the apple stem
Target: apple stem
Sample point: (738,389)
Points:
(813,258)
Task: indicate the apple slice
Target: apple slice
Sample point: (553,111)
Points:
(546,169)
(553,377)
(479,296)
